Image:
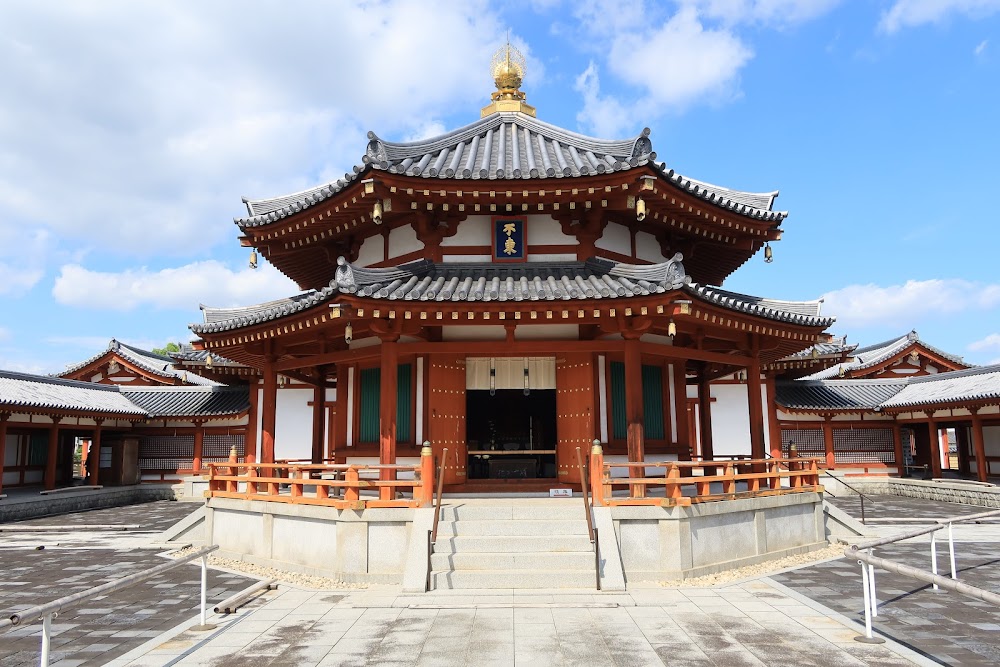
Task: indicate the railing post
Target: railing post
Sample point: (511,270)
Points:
(204,587)
(212,484)
(871,587)
(867,599)
(729,481)
(233,470)
(951,551)
(674,490)
(597,473)
(251,476)
(46,639)
(934,558)
(426,475)
(294,482)
(351,490)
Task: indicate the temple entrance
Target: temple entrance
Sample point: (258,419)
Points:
(511,434)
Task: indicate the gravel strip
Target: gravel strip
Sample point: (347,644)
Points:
(759,570)
(293,578)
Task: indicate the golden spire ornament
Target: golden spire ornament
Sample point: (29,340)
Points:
(508,68)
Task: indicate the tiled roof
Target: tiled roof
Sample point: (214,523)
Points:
(833,347)
(509,146)
(156,364)
(806,313)
(21,390)
(533,281)
(835,395)
(189,401)
(872,355)
(973,384)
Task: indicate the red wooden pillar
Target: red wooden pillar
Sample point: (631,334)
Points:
(387,411)
(680,409)
(342,417)
(94,457)
(199,447)
(633,409)
(268,414)
(50,462)
(250,437)
(4,416)
(897,448)
(319,418)
(979,447)
(774,427)
(705,416)
(831,457)
(755,399)
(935,445)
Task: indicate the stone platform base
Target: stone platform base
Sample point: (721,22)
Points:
(952,491)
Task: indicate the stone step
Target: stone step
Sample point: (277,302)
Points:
(513,543)
(520,579)
(552,562)
(517,527)
(552,509)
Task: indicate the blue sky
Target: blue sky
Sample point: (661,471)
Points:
(130,130)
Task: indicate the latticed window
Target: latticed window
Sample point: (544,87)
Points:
(808,441)
(863,445)
(216,448)
(166,452)
(369,402)
(653,423)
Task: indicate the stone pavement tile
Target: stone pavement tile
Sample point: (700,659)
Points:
(685,654)
(532,615)
(540,651)
(547,630)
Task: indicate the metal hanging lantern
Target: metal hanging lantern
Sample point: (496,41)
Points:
(377,212)
(253,258)
(493,377)
(768,254)
(527,388)
(640,210)
(208,361)
(348,333)
(672,329)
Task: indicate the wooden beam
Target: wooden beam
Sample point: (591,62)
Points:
(979,447)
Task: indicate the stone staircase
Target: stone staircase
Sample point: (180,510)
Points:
(542,544)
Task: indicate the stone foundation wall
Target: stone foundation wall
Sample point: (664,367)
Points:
(953,492)
(66,502)
(368,546)
(660,543)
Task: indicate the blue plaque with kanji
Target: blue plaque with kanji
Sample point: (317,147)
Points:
(510,238)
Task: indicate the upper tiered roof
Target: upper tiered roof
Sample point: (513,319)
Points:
(509,146)
(150,363)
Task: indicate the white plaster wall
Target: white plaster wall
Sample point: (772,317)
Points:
(730,419)
(473,332)
(544,230)
(991,440)
(552,257)
(293,424)
(474,230)
(403,240)
(466,258)
(647,247)
(372,250)
(616,238)
(547,332)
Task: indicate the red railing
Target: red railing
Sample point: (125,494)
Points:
(344,486)
(687,482)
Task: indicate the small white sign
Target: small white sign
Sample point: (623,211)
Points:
(560,493)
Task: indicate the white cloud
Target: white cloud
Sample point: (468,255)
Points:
(672,60)
(911,13)
(427,129)
(990,342)
(4,334)
(906,304)
(981,47)
(125,122)
(778,13)
(208,282)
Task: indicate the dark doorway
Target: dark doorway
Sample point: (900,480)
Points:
(511,435)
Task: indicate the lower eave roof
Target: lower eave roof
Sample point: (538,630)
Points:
(425,281)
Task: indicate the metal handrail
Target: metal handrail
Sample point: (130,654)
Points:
(591,531)
(861,496)
(47,611)
(586,494)
(869,562)
(438,495)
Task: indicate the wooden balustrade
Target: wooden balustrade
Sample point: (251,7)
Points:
(687,482)
(343,486)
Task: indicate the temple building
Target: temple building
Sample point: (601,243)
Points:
(511,291)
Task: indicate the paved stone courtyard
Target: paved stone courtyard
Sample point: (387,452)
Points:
(807,616)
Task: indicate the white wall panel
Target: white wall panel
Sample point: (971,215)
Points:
(730,419)
(616,238)
(647,247)
(403,240)
(474,230)
(293,424)
(372,250)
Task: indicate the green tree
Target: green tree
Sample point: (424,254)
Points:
(167,349)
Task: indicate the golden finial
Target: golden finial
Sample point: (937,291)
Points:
(508,68)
